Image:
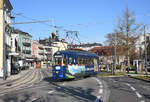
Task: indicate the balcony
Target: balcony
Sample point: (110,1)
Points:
(26,51)
(26,44)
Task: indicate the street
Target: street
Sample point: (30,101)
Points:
(42,88)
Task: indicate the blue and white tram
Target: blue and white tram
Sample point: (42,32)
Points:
(71,64)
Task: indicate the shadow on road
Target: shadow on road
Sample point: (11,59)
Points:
(77,92)
(17,97)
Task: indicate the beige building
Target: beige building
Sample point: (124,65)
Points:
(58,46)
(5,36)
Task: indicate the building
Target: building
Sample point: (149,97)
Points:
(106,54)
(5,36)
(42,55)
(55,44)
(87,46)
(58,46)
(24,46)
(140,44)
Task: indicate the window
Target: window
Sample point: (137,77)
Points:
(58,60)
(70,60)
(65,60)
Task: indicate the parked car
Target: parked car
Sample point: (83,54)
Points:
(25,67)
(15,69)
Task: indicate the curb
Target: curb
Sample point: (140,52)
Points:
(113,76)
(139,79)
(7,82)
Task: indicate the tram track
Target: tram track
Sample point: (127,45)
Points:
(23,82)
(16,80)
(5,83)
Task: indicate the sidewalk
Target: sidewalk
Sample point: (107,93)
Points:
(14,77)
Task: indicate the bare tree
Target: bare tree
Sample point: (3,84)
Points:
(127,32)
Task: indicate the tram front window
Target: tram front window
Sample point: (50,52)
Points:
(58,61)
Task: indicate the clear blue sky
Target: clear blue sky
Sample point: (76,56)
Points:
(98,17)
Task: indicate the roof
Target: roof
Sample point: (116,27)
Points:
(17,31)
(76,53)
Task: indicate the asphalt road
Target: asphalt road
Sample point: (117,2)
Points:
(125,89)
(91,89)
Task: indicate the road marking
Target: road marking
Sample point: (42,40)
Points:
(98,81)
(18,89)
(128,84)
(34,99)
(133,88)
(50,92)
(101,86)
(30,85)
(142,101)
(97,99)
(100,91)
(139,96)
(63,84)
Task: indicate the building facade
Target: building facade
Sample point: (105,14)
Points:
(5,37)
(24,46)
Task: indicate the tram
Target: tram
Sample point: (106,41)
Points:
(70,64)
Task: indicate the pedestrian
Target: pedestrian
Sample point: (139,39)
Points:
(127,69)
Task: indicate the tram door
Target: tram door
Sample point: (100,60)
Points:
(95,65)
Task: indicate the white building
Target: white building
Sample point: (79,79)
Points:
(140,44)
(59,46)
(5,37)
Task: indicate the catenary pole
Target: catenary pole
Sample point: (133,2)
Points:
(145,43)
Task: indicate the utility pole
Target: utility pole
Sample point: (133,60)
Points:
(72,37)
(145,59)
(115,59)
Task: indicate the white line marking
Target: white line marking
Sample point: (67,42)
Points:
(19,89)
(98,81)
(139,96)
(142,101)
(97,99)
(101,86)
(128,84)
(133,88)
(50,92)
(34,99)
(30,85)
(63,84)
(100,91)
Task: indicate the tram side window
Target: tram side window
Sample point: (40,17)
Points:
(75,62)
(65,61)
(70,60)
(79,61)
(58,61)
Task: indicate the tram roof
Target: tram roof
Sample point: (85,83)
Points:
(76,53)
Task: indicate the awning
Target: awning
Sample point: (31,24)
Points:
(13,54)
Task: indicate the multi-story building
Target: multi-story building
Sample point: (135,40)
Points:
(140,43)
(58,46)
(35,49)
(24,45)
(42,55)
(55,43)
(5,36)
